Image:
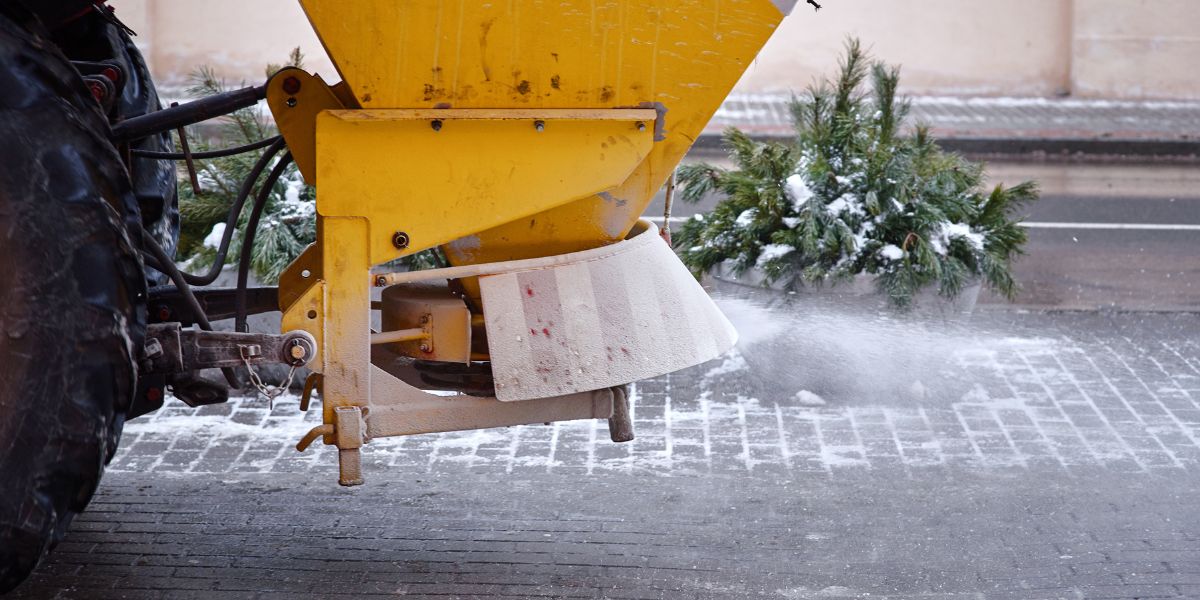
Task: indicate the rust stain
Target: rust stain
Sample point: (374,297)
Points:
(524,87)
(606,93)
(556,82)
(485,28)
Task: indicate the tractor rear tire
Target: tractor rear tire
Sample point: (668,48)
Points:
(72,298)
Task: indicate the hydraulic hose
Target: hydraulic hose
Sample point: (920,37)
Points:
(169,269)
(260,203)
(221,153)
(231,221)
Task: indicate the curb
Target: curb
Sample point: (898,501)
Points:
(1042,148)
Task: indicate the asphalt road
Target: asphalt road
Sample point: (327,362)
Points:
(1113,236)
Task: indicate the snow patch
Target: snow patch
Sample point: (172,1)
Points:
(213,239)
(807,398)
(798,191)
(733,363)
(773,251)
(891,252)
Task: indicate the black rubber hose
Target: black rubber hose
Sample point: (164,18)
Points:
(168,119)
(170,270)
(230,221)
(260,203)
(222,153)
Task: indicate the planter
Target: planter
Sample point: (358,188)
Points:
(857,295)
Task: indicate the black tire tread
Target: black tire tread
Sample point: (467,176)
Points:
(71,301)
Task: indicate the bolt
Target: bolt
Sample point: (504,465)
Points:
(154,348)
(291,102)
(424,319)
(641,126)
(424,347)
(436,124)
(298,351)
(539,125)
(380,281)
(400,240)
(312,314)
(291,86)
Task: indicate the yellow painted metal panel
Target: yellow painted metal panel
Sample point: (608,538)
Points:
(561,53)
(470,173)
(680,56)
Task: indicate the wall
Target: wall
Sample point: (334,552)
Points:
(1009,47)
(1137,48)
(1090,48)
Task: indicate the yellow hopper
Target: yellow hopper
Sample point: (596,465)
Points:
(524,138)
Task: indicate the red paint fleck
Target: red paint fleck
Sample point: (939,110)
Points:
(529,291)
(545,332)
(625,350)
(532,332)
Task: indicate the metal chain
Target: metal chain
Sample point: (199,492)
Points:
(271,392)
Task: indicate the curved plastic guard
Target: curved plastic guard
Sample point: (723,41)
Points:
(599,318)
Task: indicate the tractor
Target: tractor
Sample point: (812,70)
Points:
(522,138)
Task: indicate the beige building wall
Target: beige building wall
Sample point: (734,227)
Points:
(1091,48)
(1137,48)
(988,47)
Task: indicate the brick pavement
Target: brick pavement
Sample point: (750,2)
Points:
(1000,400)
(1018,456)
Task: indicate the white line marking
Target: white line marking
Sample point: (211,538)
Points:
(1114,226)
(1058,225)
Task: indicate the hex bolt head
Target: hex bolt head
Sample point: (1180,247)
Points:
(291,86)
(641,126)
(539,125)
(436,124)
(291,102)
(400,240)
(424,347)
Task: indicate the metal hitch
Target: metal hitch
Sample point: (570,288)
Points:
(172,349)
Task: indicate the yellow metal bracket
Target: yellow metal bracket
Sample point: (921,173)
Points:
(295,98)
